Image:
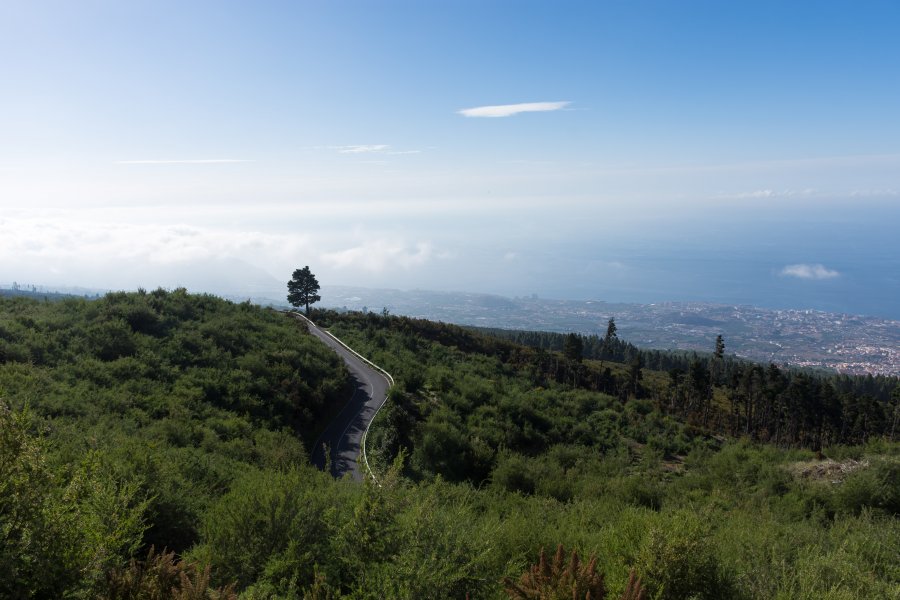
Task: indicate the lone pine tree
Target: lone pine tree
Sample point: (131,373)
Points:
(303,289)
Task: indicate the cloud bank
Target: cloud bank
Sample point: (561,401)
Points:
(508,110)
(815,272)
(376,256)
(124,255)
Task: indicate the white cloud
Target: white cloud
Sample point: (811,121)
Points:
(199,161)
(510,256)
(804,271)
(507,110)
(769,193)
(755,194)
(361,148)
(129,254)
(874,193)
(384,149)
(378,255)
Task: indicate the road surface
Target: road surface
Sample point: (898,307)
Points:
(345,433)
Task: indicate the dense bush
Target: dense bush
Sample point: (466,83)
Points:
(270,525)
(153,400)
(678,561)
(61,530)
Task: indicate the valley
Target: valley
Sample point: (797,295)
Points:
(842,343)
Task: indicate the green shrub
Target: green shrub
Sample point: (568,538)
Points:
(636,490)
(61,531)
(271,525)
(677,561)
(875,487)
(513,475)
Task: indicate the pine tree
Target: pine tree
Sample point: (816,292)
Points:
(608,339)
(717,366)
(573,347)
(303,289)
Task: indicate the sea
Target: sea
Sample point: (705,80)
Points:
(834,260)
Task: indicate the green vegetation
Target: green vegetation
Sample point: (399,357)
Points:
(151,421)
(132,414)
(734,396)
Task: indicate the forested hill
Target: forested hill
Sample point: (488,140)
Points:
(150,353)
(155,401)
(715,394)
(584,440)
(616,349)
(145,421)
(36,294)
(776,404)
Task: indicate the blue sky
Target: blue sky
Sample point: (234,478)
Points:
(144,141)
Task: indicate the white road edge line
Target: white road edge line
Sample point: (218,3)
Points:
(384,373)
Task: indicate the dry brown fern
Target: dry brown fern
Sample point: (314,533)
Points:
(189,589)
(161,576)
(571,579)
(149,579)
(561,579)
(633,589)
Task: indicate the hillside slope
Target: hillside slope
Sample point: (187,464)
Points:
(173,420)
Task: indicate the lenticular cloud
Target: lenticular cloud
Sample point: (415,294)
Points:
(508,110)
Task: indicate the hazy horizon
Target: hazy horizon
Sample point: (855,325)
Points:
(638,152)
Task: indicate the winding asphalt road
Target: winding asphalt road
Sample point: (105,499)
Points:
(345,433)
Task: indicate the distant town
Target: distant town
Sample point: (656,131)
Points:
(844,343)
